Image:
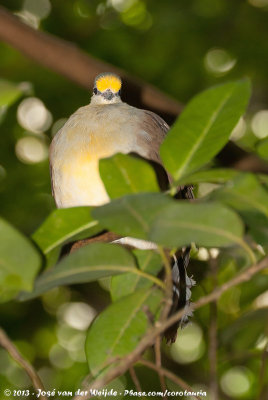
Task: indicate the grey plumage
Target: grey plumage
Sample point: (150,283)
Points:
(101,129)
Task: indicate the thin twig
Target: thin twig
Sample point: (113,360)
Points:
(149,339)
(158,363)
(135,379)
(174,378)
(7,344)
(213,342)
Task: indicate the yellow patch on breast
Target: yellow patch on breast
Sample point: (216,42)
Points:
(77,178)
(81,185)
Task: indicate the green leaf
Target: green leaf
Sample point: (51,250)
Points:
(19,262)
(216,175)
(247,196)
(159,218)
(125,284)
(65,225)
(209,224)
(118,330)
(204,127)
(262,149)
(257,286)
(236,334)
(87,264)
(131,215)
(123,174)
(9,93)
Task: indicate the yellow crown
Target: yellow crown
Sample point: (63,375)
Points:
(112,82)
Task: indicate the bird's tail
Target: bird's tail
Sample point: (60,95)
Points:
(182,285)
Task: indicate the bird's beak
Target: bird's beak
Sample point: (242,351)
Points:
(108,94)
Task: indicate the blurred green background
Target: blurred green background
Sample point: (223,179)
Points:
(181,47)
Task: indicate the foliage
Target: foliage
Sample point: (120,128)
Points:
(203,129)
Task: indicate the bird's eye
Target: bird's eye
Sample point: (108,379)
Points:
(95,90)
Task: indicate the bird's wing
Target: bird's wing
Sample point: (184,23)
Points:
(157,128)
(152,131)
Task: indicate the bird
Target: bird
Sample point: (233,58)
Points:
(104,127)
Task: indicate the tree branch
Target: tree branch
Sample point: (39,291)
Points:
(68,60)
(53,53)
(174,378)
(158,363)
(135,379)
(6,343)
(149,339)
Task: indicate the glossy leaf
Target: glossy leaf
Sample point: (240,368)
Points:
(131,215)
(123,174)
(204,127)
(125,284)
(118,329)
(87,264)
(19,262)
(207,224)
(216,175)
(64,225)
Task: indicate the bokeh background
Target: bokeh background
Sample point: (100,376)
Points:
(181,47)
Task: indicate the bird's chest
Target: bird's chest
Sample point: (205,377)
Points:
(75,170)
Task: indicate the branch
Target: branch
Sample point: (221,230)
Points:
(174,378)
(6,343)
(135,379)
(149,339)
(158,363)
(53,53)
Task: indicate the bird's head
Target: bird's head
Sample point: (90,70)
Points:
(107,89)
